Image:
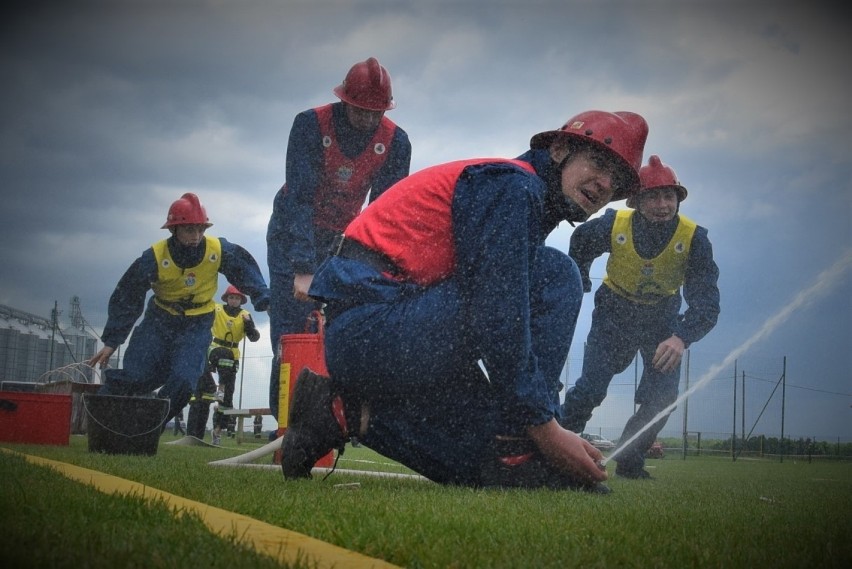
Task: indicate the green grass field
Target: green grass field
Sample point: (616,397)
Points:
(699,512)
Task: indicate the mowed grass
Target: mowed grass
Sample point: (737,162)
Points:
(699,512)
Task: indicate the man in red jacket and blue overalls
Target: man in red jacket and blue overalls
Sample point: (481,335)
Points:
(337,154)
(653,252)
(450,320)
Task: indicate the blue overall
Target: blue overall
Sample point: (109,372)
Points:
(166,352)
(295,244)
(621,326)
(169,351)
(412,353)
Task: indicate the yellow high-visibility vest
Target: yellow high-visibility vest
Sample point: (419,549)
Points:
(228,331)
(647,281)
(188,291)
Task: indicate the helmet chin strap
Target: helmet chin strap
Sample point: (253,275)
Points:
(556,203)
(575,212)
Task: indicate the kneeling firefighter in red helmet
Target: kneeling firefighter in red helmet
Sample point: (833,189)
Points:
(449,320)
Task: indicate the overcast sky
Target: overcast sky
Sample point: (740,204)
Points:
(111,110)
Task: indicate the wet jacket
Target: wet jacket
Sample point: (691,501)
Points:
(450,221)
(128,299)
(316,135)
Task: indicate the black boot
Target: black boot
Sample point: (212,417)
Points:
(632,469)
(312,429)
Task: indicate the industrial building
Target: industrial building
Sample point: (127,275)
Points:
(33,347)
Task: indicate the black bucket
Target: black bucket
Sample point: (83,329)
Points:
(124,425)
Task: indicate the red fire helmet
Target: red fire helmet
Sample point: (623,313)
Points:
(233,290)
(622,133)
(656,175)
(187,211)
(367,86)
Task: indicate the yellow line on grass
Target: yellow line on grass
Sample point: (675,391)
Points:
(281,544)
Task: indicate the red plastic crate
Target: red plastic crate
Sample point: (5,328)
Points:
(35,418)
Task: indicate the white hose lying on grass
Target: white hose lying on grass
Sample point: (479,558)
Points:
(268,448)
(245,460)
(189,440)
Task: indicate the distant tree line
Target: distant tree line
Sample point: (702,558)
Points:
(760,445)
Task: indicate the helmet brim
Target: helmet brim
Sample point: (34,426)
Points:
(681,194)
(340,91)
(243,298)
(630,175)
(168,225)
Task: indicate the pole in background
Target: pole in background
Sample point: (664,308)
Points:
(242,374)
(783,404)
(742,430)
(55,317)
(734,434)
(686,407)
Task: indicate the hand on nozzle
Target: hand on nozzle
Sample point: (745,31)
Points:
(566,450)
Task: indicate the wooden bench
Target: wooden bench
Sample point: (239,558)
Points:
(241,414)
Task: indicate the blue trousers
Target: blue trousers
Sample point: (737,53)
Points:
(413,355)
(288,315)
(165,352)
(619,329)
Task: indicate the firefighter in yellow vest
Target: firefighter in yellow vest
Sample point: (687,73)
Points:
(230,325)
(653,252)
(168,349)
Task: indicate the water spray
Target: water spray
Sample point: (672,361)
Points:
(821,286)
